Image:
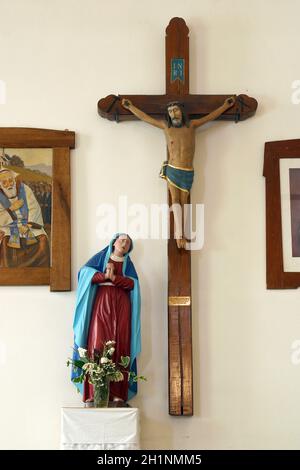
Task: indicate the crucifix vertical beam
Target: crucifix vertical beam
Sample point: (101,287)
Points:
(179,261)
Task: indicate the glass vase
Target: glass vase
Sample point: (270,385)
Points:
(101,394)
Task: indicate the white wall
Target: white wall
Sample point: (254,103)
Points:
(57,59)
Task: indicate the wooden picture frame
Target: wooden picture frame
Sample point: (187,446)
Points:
(58,274)
(280,159)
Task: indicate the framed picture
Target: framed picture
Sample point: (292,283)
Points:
(282,173)
(35,237)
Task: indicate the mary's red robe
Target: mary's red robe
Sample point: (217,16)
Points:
(111,320)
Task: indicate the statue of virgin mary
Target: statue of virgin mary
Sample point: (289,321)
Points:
(108,308)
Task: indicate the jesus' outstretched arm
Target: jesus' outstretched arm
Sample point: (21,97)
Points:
(228,103)
(127,104)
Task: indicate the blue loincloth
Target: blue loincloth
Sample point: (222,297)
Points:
(181,178)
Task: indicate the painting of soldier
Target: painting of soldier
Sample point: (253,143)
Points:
(25,207)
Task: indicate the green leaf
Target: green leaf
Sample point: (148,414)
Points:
(125,361)
(85,360)
(135,378)
(78,363)
(77,380)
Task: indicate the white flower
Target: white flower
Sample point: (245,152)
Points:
(82,352)
(104,360)
(111,351)
(110,343)
(87,366)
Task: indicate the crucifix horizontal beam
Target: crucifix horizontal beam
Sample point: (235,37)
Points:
(195,106)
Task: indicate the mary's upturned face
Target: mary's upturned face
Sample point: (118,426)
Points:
(122,244)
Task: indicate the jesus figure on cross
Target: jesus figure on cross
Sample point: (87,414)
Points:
(178,170)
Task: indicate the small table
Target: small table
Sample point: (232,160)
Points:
(99,428)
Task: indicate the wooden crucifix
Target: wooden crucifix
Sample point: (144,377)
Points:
(198,110)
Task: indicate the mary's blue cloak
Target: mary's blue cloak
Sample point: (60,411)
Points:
(86,292)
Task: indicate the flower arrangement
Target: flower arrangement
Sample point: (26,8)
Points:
(100,369)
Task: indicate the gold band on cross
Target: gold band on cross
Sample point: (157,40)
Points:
(179,301)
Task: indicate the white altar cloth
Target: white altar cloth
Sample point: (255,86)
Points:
(99,428)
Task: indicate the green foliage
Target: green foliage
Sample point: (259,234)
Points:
(136,378)
(100,368)
(125,360)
